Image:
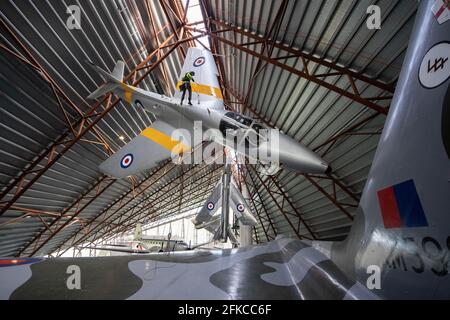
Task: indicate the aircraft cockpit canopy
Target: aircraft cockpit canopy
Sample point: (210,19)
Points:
(239,118)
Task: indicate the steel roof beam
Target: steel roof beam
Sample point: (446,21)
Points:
(214,44)
(309,57)
(133,215)
(330,197)
(331,177)
(132,220)
(352,76)
(167,196)
(268,39)
(63,214)
(296,231)
(120,201)
(304,74)
(59,228)
(85,123)
(122,206)
(286,196)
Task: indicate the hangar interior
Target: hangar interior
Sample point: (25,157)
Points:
(309,68)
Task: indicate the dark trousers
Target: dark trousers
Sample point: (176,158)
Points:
(186,86)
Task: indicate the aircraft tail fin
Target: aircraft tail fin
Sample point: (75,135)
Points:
(118,70)
(205,87)
(138,232)
(404,207)
(113,80)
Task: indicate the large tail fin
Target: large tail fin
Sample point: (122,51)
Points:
(113,80)
(402,226)
(206,87)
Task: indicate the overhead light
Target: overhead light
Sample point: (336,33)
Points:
(122,138)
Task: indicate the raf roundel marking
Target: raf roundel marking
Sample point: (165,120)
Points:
(126,161)
(199,61)
(210,206)
(240,207)
(435,67)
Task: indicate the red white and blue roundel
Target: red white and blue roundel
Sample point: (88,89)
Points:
(199,61)
(240,207)
(210,206)
(126,161)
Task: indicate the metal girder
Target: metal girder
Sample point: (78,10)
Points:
(280,207)
(319,79)
(238,175)
(256,239)
(122,201)
(30,213)
(348,131)
(339,205)
(85,124)
(124,214)
(166,185)
(160,200)
(166,8)
(286,196)
(137,216)
(353,96)
(333,177)
(59,228)
(157,43)
(309,57)
(213,44)
(121,206)
(63,213)
(269,39)
(255,190)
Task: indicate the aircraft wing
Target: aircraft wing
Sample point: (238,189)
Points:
(240,206)
(152,146)
(158,240)
(209,207)
(119,249)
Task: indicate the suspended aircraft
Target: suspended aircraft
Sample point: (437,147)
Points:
(397,248)
(180,128)
(225,195)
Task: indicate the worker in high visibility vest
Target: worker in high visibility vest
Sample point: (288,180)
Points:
(188,77)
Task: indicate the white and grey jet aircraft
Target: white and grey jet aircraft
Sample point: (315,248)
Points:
(397,248)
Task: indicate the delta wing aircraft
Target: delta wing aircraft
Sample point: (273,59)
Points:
(398,246)
(225,195)
(175,128)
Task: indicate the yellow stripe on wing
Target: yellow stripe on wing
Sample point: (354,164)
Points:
(165,141)
(204,89)
(128,92)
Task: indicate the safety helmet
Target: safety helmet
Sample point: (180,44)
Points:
(192,73)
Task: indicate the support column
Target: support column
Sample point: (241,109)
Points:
(225,203)
(245,231)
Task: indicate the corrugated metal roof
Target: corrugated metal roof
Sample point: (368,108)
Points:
(334,31)
(31,120)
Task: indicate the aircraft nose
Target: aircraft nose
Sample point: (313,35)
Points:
(297,157)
